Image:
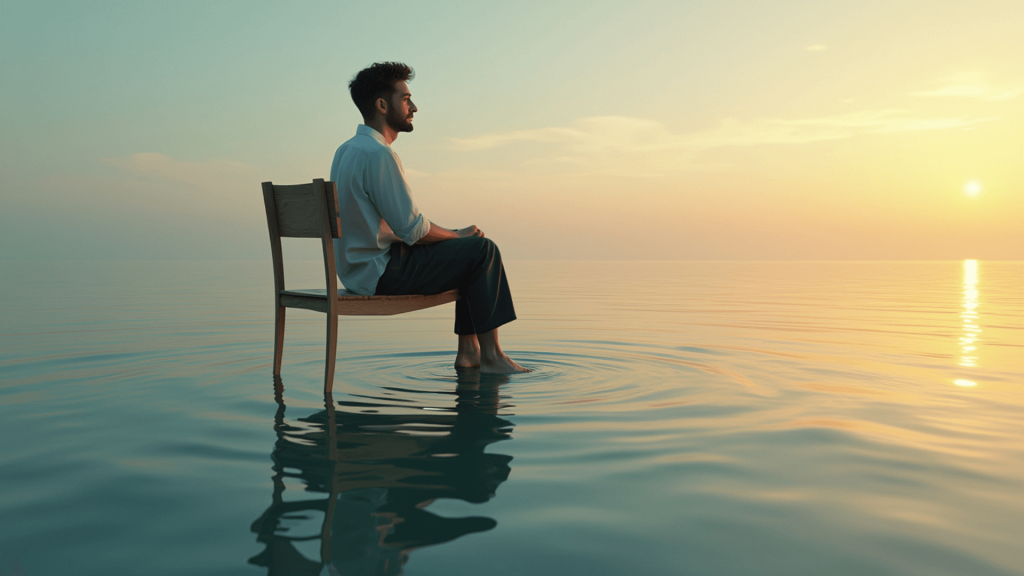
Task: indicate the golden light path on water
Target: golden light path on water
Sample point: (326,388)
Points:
(969,316)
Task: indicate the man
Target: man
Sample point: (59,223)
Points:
(389,247)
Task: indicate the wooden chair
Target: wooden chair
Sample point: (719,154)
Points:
(311,211)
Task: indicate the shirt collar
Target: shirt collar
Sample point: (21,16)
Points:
(364,130)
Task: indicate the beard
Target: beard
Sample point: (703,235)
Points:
(397,122)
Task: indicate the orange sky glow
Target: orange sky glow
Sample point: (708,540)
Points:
(665,131)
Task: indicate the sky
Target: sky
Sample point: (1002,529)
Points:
(675,130)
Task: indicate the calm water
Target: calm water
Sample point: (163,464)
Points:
(684,418)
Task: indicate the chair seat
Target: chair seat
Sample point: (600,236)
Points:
(352,304)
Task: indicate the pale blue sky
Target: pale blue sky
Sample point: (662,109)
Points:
(564,129)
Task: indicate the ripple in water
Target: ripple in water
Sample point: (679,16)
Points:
(769,418)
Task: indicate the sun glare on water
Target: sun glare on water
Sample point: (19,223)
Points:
(972,188)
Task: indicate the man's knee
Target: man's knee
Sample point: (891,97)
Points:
(478,245)
(488,248)
(483,250)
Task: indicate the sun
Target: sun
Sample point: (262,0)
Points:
(972,188)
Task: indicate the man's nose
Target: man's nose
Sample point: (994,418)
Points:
(412,107)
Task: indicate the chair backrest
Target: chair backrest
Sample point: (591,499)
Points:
(296,208)
(303,211)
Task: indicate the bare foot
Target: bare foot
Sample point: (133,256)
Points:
(492,359)
(502,364)
(469,352)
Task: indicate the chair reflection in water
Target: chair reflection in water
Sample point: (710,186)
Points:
(377,474)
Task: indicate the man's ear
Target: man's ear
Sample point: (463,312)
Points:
(381,105)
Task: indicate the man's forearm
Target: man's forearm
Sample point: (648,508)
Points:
(437,234)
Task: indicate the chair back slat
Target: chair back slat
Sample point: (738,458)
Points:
(297,210)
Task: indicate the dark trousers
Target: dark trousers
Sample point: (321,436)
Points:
(473,265)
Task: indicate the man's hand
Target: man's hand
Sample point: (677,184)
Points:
(469,232)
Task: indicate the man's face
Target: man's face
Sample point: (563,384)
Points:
(400,109)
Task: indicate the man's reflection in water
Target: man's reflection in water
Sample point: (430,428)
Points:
(379,473)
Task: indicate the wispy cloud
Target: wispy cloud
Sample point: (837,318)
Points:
(211,174)
(213,188)
(972,85)
(623,144)
(816,47)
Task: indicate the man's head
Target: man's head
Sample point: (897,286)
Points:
(381,90)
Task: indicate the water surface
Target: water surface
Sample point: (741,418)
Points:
(683,418)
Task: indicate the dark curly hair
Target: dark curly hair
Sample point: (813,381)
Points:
(377,81)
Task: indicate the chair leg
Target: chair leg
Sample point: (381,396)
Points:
(332,349)
(278,339)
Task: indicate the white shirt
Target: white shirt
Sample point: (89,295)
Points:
(375,206)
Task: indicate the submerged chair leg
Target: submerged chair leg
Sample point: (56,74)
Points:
(278,339)
(332,348)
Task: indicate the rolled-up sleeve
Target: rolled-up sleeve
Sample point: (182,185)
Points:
(392,198)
